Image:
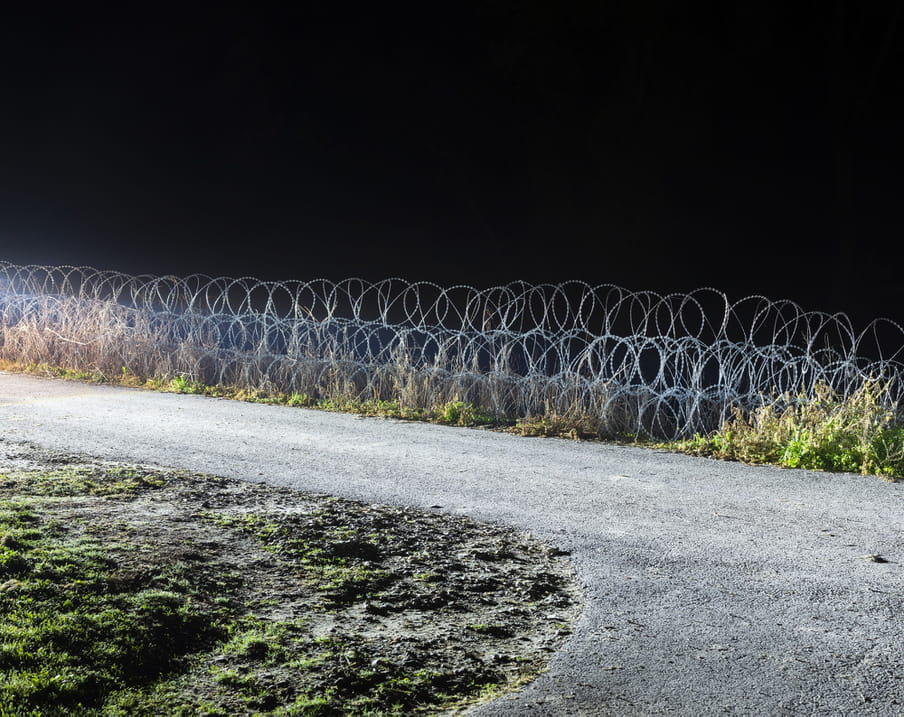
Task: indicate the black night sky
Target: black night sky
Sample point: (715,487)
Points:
(754,147)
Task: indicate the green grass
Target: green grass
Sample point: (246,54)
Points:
(860,434)
(83,480)
(74,629)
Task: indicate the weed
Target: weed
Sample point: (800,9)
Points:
(822,432)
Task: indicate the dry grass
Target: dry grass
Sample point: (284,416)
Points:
(860,433)
(108,342)
(604,363)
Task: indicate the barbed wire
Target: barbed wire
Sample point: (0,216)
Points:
(658,365)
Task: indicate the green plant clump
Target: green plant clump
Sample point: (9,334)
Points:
(860,434)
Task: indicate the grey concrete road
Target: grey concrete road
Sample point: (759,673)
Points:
(712,588)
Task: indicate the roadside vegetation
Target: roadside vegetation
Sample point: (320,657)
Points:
(451,413)
(129,591)
(749,380)
(856,435)
(859,434)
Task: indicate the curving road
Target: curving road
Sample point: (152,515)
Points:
(713,588)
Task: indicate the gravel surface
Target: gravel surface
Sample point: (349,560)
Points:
(711,587)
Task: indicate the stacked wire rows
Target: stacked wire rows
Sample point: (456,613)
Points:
(625,362)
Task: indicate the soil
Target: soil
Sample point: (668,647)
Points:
(373,607)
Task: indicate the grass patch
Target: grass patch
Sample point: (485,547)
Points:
(860,434)
(82,480)
(338,564)
(129,591)
(75,627)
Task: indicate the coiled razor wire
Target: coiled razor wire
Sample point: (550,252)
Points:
(660,366)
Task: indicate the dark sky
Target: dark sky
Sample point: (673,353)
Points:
(754,147)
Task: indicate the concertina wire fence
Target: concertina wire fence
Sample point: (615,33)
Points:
(624,362)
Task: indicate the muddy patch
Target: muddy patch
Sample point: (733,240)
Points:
(328,606)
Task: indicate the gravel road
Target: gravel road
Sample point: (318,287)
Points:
(713,587)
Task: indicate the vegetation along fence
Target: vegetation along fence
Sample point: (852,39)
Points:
(625,362)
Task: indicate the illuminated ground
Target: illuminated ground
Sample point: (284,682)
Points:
(712,587)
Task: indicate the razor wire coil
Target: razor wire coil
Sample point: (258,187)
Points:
(658,365)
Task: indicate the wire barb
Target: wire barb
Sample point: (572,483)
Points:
(636,362)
